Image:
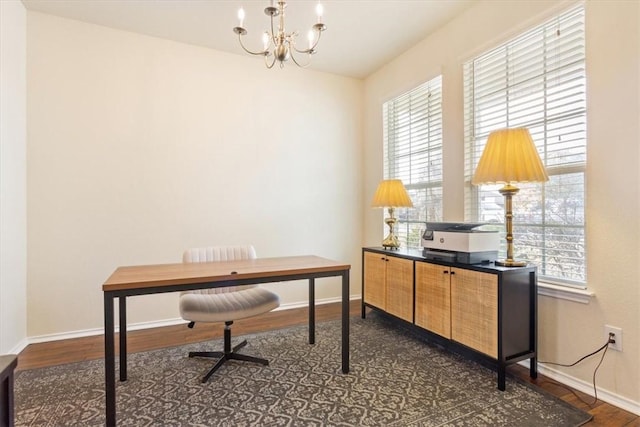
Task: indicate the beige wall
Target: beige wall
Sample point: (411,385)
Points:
(141,147)
(567,330)
(13,184)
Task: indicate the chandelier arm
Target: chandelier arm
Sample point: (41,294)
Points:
(293,58)
(263,53)
(269,66)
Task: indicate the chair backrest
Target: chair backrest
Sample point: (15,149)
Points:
(219,253)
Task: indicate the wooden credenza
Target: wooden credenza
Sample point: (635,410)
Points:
(481,310)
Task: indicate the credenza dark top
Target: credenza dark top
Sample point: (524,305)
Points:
(416,255)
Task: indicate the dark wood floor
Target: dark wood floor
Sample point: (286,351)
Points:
(89,348)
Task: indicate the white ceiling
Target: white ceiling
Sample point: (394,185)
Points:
(361,35)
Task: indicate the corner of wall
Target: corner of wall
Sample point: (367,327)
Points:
(13,217)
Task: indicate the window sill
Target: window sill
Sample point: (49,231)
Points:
(583,296)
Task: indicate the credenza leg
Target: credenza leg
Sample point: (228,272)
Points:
(502,375)
(533,367)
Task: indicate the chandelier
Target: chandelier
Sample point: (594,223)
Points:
(278,45)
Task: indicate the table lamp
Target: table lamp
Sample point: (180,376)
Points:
(391,194)
(509,156)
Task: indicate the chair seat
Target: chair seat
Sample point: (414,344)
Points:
(223,307)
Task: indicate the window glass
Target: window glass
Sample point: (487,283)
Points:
(413,153)
(537,81)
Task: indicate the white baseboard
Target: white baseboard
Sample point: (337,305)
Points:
(147,325)
(587,387)
(20,346)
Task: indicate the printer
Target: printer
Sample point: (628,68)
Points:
(464,243)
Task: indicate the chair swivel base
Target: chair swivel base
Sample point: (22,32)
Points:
(228,354)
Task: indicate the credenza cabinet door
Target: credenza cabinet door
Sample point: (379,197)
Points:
(474,310)
(400,288)
(433,298)
(375,290)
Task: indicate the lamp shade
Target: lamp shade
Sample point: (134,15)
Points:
(510,156)
(391,193)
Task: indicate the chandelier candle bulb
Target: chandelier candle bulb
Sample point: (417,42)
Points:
(319,12)
(241,17)
(311,38)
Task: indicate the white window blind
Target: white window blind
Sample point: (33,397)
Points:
(412,128)
(537,81)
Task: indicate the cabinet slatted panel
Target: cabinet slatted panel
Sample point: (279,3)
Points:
(374,272)
(474,315)
(400,288)
(433,298)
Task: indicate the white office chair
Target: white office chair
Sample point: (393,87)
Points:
(225,304)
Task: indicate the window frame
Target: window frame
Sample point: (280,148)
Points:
(474,138)
(426,194)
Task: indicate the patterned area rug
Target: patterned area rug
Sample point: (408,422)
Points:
(395,380)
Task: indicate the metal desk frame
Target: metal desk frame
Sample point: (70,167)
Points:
(131,281)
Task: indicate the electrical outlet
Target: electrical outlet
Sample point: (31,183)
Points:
(617,336)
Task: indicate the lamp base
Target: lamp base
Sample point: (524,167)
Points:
(510,263)
(391,242)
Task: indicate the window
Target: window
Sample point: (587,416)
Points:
(412,128)
(536,81)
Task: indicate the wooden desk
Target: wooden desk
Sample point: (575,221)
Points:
(153,279)
(8,364)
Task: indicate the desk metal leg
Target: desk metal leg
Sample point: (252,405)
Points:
(109,361)
(123,338)
(345,322)
(312,311)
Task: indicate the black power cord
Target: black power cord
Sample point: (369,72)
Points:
(611,340)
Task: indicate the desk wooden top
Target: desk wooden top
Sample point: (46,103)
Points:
(8,363)
(146,276)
